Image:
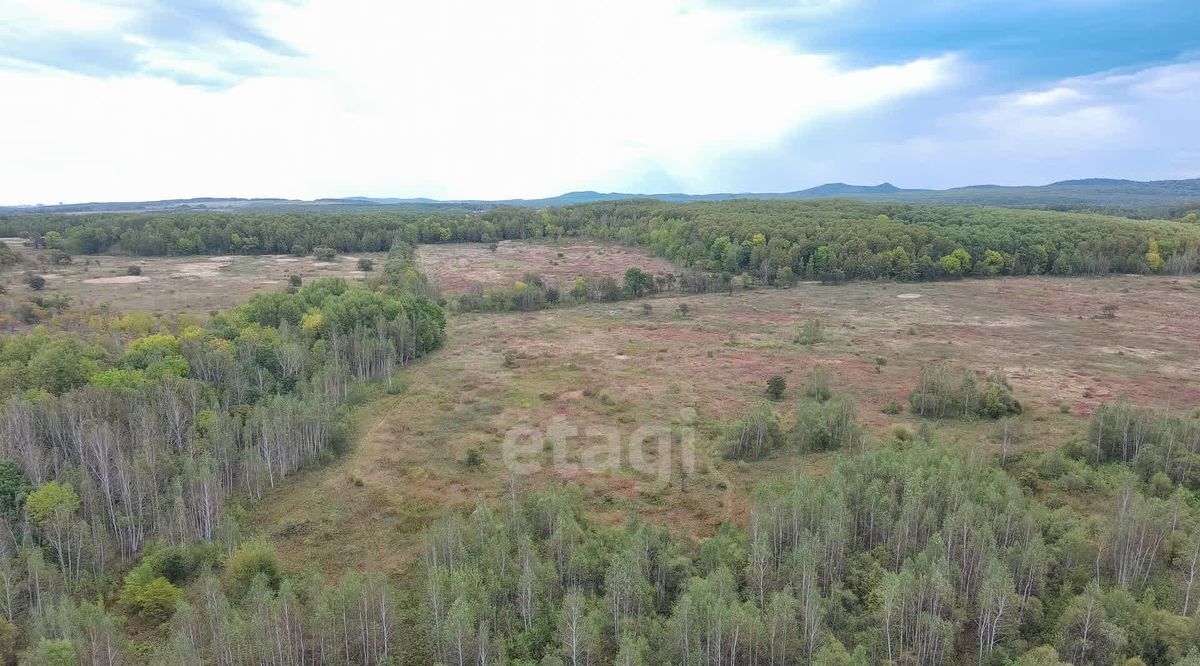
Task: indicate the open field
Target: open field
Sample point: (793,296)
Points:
(459,267)
(617,365)
(177,285)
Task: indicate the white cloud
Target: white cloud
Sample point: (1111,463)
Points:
(1130,124)
(450,99)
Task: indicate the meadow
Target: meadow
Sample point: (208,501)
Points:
(633,363)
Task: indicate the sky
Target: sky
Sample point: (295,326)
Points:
(119,100)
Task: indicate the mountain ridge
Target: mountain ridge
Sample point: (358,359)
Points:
(1085,193)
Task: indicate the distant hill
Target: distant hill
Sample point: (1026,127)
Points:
(1160,198)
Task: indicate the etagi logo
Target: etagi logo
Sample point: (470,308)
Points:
(662,451)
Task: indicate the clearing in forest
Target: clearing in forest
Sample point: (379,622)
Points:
(460,267)
(621,366)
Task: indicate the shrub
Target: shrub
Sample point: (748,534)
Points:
(133,269)
(324,253)
(776,385)
(826,426)
(816,386)
(474,457)
(892,407)
(53,652)
(9,634)
(683,309)
(813,332)
(756,435)
(147,596)
(34,281)
(250,560)
(366,265)
(943,392)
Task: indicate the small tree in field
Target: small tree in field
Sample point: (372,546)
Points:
(324,253)
(366,265)
(776,385)
(638,283)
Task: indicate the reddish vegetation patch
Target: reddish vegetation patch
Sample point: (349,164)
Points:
(458,268)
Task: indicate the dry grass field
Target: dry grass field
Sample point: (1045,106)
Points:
(175,285)
(459,267)
(620,366)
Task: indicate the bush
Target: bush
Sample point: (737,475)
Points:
(812,333)
(133,269)
(776,385)
(943,392)
(52,652)
(324,253)
(816,386)
(366,265)
(892,407)
(826,426)
(34,281)
(249,560)
(147,596)
(756,435)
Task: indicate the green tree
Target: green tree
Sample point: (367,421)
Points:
(52,652)
(1154,260)
(638,283)
(13,488)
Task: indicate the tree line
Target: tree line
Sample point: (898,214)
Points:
(770,242)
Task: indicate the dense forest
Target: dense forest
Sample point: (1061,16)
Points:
(767,241)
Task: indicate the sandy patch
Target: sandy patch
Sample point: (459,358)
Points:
(323,264)
(286,260)
(908,296)
(225,259)
(118,279)
(203,269)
